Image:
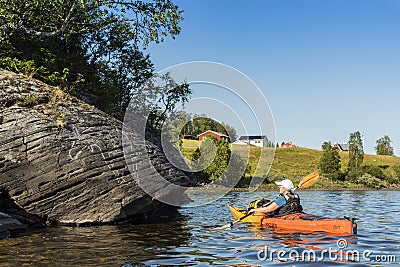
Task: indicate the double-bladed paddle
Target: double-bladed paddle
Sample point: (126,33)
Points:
(229,225)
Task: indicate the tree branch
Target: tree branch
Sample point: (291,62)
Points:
(50,33)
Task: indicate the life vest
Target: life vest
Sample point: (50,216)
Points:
(258,203)
(292,206)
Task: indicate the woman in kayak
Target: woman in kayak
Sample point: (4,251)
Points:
(286,203)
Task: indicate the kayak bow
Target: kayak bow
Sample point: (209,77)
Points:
(299,222)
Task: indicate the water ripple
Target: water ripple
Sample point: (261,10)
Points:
(190,243)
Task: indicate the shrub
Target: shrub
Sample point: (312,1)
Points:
(396,170)
(373,171)
(29,68)
(214,156)
(371,181)
(393,180)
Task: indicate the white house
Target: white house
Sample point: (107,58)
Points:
(238,142)
(255,140)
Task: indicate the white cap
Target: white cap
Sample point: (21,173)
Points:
(286,184)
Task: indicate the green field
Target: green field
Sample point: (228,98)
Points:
(295,163)
(188,147)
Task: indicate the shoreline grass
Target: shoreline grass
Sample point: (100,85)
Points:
(295,163)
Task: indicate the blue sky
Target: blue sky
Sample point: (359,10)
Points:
(326,67)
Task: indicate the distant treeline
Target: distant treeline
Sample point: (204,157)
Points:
(197,124)
(356,171)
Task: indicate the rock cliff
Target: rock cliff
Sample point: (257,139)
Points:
(61,160)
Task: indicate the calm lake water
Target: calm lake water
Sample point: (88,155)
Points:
(189,242)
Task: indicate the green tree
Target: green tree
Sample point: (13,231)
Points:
(356,155)
(185,123)
(329,163)
(91,48)
(396,170)
(160,98)
(371,181)
(230,131)
(177,124)
(139,22)
(384,146)
(201,123)
(374,171)
(120,83)
(215,151)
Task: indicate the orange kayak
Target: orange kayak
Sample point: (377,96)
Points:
(299,222)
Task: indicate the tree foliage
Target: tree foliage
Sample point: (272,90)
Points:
(202,123)
(396,171)
(329,163)
(139,22)
(208,148)
(157,98)
(356,154)
(384,146)
(374,171)
(90,48)
(213,157)
(196,124)
(371,181)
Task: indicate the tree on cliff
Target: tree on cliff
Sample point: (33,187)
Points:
(329,163)
(384,146)
(90,48)
(356,155)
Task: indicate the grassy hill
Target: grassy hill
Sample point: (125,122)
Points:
(295,163)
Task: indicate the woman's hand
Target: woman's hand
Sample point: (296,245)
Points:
(250,211)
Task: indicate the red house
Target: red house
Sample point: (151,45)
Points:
(288,145)
(217,135)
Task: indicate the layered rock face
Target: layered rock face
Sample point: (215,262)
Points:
(62,161)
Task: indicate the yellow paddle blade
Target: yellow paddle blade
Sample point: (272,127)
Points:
(309,180)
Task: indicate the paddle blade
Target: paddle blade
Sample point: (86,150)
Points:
(226,226)
(309,180)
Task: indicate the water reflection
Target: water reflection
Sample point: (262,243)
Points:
(94,246)
(310,246)
(189,242)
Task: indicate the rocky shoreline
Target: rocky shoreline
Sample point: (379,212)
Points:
(10,226)
(62,161)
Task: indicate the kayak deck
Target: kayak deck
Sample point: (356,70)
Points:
(298,222)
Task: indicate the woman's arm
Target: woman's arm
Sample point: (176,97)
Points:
(271,207)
